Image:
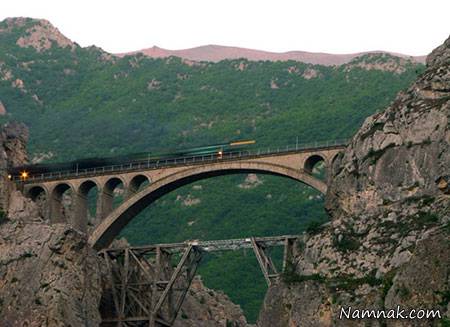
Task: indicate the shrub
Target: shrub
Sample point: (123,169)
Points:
(404,292)
(3,217)
(388,281)
(348,243)
(314,227)
(290,276)
(426,218)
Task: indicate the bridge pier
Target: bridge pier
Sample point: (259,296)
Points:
(58,212)
(106,197)
(80,211)
(104,204)
(288,254)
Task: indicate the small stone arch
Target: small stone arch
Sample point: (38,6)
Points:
(86,186)
(58,212)
(311,162)
(36,192)
(334,158)
(106,196)
(112,183)
(136,184)
(39,195)
(82,209)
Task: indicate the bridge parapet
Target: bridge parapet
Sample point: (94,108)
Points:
(149,164)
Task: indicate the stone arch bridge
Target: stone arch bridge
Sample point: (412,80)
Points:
(144,182)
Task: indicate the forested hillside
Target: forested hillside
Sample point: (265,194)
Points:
(83,102)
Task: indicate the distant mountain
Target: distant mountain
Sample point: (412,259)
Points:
(217,53)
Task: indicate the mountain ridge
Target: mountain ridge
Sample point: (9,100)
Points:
(41,33)
(216,53)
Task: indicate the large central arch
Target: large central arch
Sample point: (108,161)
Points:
(110,227)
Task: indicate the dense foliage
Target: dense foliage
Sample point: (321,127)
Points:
(83,102)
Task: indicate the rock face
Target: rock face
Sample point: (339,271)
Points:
(400,153)
(41,35)
(420,283)
(388,241)
(13,140)
(207,308)
(49,275)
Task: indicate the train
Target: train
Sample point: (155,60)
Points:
(217,150)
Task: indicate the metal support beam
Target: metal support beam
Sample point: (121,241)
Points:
(145,289)
(265,262)
(288,254)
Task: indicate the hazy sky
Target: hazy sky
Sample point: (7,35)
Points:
(336,26)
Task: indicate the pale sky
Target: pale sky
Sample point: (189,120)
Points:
(334,26)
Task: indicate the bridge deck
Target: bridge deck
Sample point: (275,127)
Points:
(150,164)
(208,246)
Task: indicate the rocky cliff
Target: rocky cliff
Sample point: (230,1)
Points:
(204,307)
(13,139)
(389,200)
(49,276)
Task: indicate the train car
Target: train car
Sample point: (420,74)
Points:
(217,150)
(210,149)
